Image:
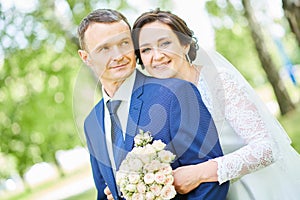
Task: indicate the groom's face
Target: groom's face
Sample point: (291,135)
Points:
(109,51)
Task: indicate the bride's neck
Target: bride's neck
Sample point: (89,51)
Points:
(190,73)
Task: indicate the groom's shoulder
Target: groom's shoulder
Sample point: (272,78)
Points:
(166,82)
(163,87)
(92,116)
(174,84)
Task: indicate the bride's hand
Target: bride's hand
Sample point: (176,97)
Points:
(189,177)
(185,179)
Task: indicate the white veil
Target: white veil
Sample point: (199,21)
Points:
(212,65)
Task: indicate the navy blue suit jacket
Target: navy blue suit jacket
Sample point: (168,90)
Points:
(173,111)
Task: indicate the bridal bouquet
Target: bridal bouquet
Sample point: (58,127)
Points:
(146,173)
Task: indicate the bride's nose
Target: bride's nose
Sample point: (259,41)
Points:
(157,54)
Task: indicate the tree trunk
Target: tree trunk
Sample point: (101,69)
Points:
(283,99)
(292,12)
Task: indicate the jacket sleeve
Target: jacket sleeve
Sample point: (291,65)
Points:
(97,176)
(98,179)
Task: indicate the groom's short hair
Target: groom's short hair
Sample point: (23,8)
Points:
(98,16)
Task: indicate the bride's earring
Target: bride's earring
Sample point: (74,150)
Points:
(187,57)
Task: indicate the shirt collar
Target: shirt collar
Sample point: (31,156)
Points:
(124,91)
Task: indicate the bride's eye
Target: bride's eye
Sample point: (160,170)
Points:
(145,50)
(165,44)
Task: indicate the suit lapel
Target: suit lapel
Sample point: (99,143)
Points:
(134,111)
(98,140)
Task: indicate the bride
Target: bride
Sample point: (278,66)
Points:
(258,158)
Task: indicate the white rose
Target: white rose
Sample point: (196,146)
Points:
(131,187)
(159,178)
(146,136)
(146,158)
(136,165)
(124,165)
(149,149)
(166,168)
(142,138)
(156,165)
(133,178)
(155,189)
(120,175)
(137,196)
(137,151)
(138,140)
(169,180)
(148,168)
(150,196)
(168,192)
(123,182)
(149,178)
(158,145)
(141,188)
(166,156)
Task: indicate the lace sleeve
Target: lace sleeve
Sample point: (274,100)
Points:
(243,116)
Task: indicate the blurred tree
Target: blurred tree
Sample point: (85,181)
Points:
(231,31)
(235,26)
(292,13)
(36,86)
(283,98)
(7,166)
(38,67)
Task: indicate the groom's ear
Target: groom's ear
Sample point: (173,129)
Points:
(84,56)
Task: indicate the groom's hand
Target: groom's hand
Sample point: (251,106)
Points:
(108,194)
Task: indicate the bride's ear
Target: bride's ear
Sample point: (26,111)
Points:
(186,48)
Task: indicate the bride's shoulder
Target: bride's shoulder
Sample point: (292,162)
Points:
(219,74)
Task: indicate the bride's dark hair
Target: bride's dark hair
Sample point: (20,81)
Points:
(178,25)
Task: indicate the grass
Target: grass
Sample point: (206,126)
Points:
(53,185)
(90,194)
(27,194)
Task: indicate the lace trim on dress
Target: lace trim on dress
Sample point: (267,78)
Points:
(242,114)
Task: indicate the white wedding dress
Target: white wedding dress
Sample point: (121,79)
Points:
(258,158)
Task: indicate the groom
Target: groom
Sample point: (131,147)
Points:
(171,109)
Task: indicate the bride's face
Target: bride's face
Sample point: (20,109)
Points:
(161,52)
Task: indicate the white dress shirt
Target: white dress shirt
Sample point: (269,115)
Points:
(124,94)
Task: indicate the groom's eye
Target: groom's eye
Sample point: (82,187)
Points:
(124,43)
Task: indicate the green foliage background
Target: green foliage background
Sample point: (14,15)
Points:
(233,40)
(40,65)
(38,72)
(40,68)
